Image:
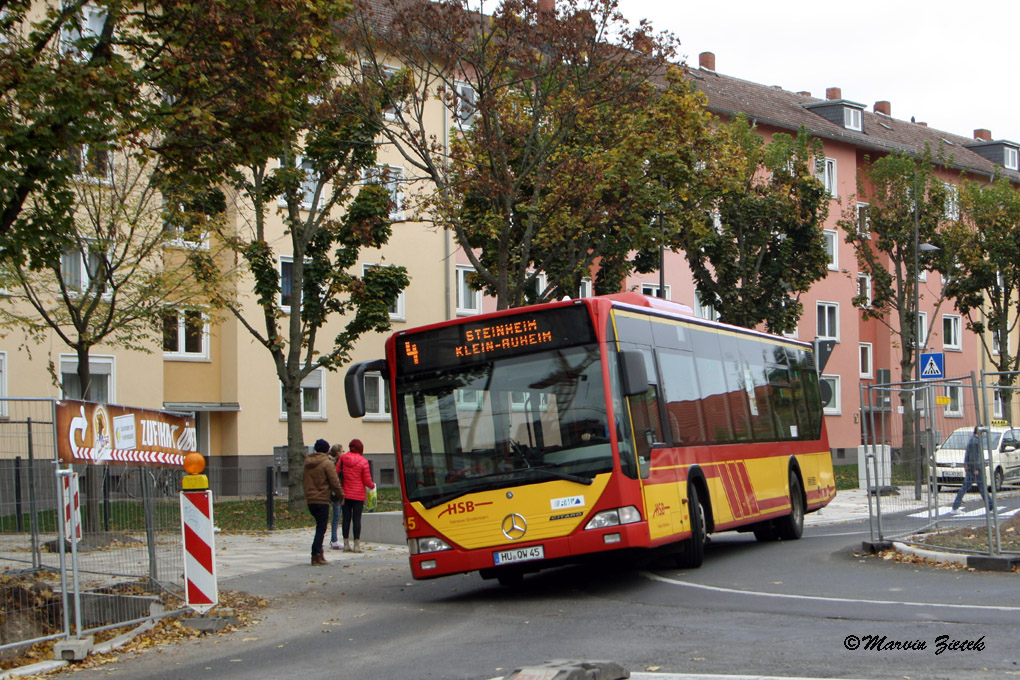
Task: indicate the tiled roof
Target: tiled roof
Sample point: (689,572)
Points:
(781,108)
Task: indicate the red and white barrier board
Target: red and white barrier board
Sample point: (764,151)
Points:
(201,591)
(72,507)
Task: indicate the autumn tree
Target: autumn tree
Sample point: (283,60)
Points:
(534,172)
(306,208)
(985,285)
(887,242)
(124,274)
(907,207)
(756,244)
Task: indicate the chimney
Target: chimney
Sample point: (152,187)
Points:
(804,93)
(983,135)
(706,60)
(884,108)
(922,124)
(833,93)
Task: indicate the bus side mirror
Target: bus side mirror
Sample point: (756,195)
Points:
(633,373)
(354,385)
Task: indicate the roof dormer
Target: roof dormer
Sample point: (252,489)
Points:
(843,112)
(1000,151)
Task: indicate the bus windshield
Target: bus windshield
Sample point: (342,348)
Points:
(504,422)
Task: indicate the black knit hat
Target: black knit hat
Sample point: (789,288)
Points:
(322,446)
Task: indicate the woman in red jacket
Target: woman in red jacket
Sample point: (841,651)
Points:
(356,477)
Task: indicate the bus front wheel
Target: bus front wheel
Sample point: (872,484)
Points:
(692,550)
(791,527)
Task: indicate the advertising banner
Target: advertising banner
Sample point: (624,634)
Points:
(111,434)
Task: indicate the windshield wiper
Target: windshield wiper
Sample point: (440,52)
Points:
(561,475)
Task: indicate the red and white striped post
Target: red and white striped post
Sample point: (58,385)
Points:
(72,507)
(201,591)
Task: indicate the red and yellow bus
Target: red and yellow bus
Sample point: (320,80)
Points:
(536,436)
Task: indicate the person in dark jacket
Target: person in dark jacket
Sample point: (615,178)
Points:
(319,478)
(357,476)
(974,470)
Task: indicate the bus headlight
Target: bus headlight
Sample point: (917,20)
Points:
(428,544)
(614,517)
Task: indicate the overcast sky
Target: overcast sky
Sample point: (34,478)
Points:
(951,65)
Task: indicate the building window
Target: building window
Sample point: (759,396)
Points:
(828,321)
(392,109)
(864,290)
(465,104)
(1010,158)
(3,384)
(825,171)
(952,206)
(863,221)
(703,311)
(469,300)
(397,308)
(830,249)
(389,177)
(101,378)
(832,407)
(955,394)
(185,335)
(78,36)
(922,331)
(535,287)
(377,397)
(652,290)
(866,366)
(286,282)
(313,396)
(996,404)
(852,118)
(951,338)
(80,268)
(585,290)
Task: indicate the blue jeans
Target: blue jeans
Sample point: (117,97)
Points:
(335,522)
(973,474)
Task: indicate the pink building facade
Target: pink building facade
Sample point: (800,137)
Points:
(866,352)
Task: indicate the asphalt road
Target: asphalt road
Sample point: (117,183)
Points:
(809,608)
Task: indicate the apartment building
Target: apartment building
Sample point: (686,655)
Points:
(214,368)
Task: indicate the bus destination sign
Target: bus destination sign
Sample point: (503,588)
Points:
(478,341)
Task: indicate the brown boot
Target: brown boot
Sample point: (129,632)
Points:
(318,559)
(347,545)
(357,545)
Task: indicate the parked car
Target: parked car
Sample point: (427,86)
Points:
(1004,443)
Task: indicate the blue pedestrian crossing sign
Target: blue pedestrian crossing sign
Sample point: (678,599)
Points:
(933,366)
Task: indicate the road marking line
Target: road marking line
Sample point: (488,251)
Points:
(817,598)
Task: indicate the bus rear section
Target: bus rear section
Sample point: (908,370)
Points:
(533,437)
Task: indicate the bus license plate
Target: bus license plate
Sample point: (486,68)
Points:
(535,552)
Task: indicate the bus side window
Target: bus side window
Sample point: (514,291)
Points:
(644,409)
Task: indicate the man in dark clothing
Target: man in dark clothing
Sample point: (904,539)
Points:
(974,472)
(319,478)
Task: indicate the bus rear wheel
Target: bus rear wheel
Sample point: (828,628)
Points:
(791,527)
(692,550)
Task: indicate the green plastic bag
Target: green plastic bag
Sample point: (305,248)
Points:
(371,499)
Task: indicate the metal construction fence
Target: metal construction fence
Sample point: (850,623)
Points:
(130,555)
(912,485)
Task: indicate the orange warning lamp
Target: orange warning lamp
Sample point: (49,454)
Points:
(194,464)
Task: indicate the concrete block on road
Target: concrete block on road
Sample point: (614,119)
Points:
(561,669)
(74,649)
(383,527)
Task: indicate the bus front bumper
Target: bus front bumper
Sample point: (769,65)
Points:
(531,556)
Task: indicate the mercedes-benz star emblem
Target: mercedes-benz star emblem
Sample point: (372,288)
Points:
(514,526)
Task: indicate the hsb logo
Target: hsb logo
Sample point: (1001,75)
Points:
(458,508)
(660,510)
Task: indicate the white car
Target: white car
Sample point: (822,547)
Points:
(1005,449)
